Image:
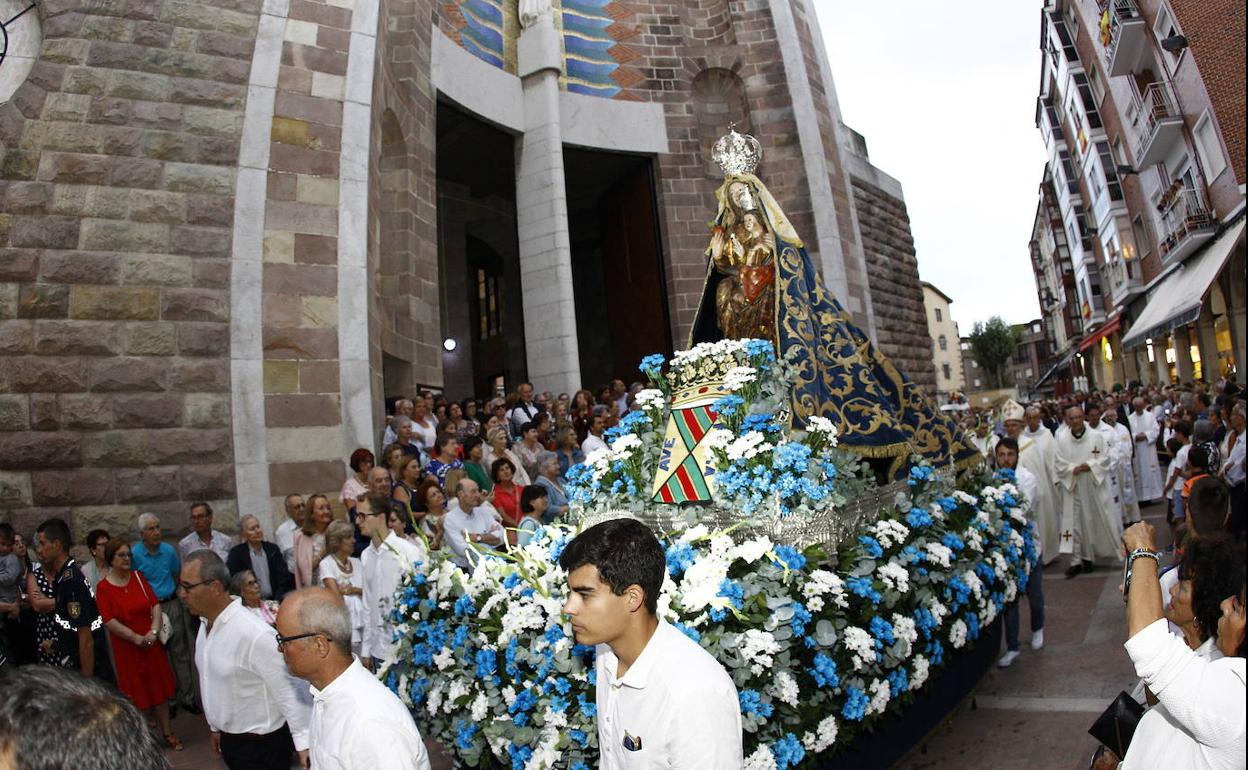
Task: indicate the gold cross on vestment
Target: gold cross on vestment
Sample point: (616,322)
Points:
(1067,535)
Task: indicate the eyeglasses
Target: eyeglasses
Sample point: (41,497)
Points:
(366,514)
(188,586)
(282,641)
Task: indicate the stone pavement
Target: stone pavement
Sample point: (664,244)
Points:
(1036,714)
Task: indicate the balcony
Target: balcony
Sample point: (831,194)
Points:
(1126,37)
(1158,123)
(1186,222)
(1124,276)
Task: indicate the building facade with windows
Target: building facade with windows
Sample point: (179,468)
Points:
(946,344)
(1030,358)
(1137,246)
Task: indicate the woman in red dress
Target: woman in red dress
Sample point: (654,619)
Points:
(131,614)
(506,496)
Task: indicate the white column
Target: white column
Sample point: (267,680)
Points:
(542,217)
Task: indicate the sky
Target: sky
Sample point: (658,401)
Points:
(945,92)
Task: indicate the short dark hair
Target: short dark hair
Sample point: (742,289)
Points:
(471,443)
(1199,457)
(444,439)
(93,536)
(108,731)
(1008,443)
(56,529)
(1207,504)
(529,494)
(1215,565)
(497,466)
(201,504)
(211,567)
(625,552)
(359,457)
(528,426)
(112,547)
(380,504)
(1184,427)
(6,531)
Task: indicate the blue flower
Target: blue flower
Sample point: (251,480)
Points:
(788,752)
(732,591)
(972,626)
(789,557)
(1005,474)
(898,681)
(790,455)
(861,586)
(910,554)
(487,663)
(589,710)
(919,517)
(727,406)
(756,347)
(520,755)
(464,606)
(947,504)
(952,542)
(882,630)
(801,616)
(924,622)
(692,633)
(680,557)
(870,547)
(511,581)
(465,729)
(959,590)
(652,364)
(629,423)
(824,671)
(935,652)
(579,738)
(919,474)
(855,704)
(763,423)
(752,704)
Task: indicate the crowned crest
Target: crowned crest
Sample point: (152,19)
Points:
(737,153)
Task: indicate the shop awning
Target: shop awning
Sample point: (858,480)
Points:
(1177,298)
(1062,361)
(1106,329)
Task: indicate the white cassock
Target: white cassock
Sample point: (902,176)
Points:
(1035,453)
(1124,448)
(1148,481)
(1112,486)
(1090,529)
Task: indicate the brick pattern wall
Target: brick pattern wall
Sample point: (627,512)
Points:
(900,317)
(117,185)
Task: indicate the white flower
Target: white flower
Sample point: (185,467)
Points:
(957,634)
(623,446)
(1011,591)
(974,583)
(963,497)
(938,611)
(696,532)
(444,659)
(823,737)
(822,426)
(823,582)
(519,616)
(880,695)
(815,604)
(894,576)
(718,438)
(919,666)
(509,695)
(761,759)
(904,628)
(861,645)
(650,398)
(785,688)
(435,698)
(974,540)
(757,648)
(753,550)
(891,532)
(748,446)
(480,707)
(938,553)
(738,377)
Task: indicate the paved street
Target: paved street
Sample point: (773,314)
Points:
(1036,714)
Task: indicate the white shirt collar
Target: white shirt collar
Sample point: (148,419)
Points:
(638,675)
(341,683)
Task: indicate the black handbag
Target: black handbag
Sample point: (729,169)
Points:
(1116,726)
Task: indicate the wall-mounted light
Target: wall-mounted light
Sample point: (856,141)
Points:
(1174,43)
(1124,170)
(449,344)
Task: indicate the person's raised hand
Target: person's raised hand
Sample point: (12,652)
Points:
(1140,535)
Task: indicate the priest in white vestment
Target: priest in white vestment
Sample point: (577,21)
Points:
(1123,447)
(1090,530)
(1111,488)
(1148,481)
(1035,454)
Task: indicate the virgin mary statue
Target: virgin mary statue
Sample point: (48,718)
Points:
(760,282)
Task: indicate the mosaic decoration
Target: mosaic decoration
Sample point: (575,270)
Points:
(487,29)
(587,43)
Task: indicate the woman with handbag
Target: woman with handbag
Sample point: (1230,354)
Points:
(1199,721)
(132,615)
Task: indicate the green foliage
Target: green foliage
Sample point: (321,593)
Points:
(993,345)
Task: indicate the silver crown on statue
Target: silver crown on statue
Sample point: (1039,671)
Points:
(737,153)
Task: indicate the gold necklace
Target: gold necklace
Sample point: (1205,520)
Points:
(343,565)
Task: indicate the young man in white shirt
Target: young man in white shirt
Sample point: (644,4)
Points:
(469,523)
(662,700)
(386,560)
(356,721)
(1007,457)
(250,701)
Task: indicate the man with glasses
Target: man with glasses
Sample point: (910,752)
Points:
(203,535)
(356,721)
(284,535)
(159,563)
(252,705)
(386,560)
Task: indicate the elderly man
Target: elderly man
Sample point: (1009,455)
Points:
(407,439)
(469,523)
(524,410)
(1089,529)
(203,535)
(252,705)
(263,558)
(385,561)
(159,563)
(357,722)
(402,408)
(284,536)
(1122,448)
(1144,428)
(1035,454)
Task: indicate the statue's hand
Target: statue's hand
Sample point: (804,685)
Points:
(717,242)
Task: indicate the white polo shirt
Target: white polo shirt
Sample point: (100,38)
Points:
(357,723)
(676,700)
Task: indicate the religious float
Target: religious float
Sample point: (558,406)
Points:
(830,537)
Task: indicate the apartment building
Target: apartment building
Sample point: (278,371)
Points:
(946,343)
(1137,246)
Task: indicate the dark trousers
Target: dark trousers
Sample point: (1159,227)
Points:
(258,752)
(1035,598)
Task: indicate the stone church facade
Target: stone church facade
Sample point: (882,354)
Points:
(230,228)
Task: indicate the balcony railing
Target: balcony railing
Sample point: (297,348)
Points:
(1186,223)
(1125,37)
(1158,123)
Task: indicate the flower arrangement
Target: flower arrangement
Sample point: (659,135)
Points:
(819,644)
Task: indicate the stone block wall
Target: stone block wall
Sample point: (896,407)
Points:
(117,183)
